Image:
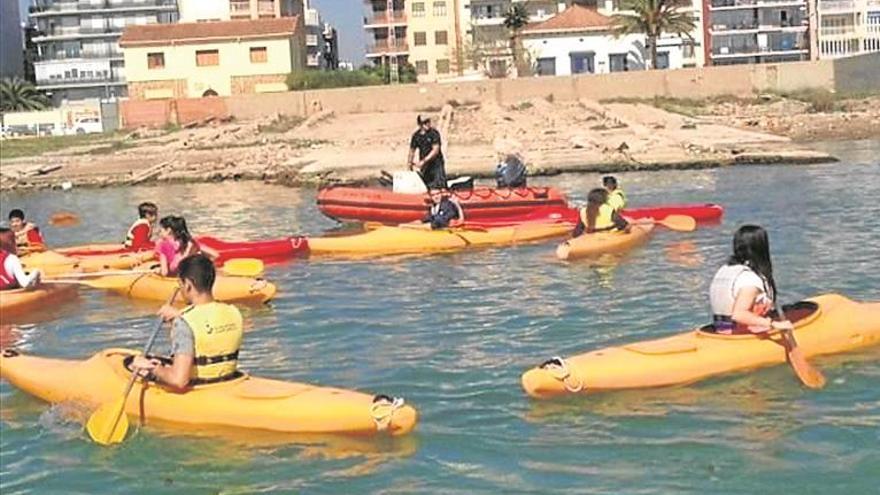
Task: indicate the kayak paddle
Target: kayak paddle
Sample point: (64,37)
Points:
(806,372)
(109,424)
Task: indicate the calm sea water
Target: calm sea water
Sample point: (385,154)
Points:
(453,333)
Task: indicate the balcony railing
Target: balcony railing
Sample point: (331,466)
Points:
(54,8)
(239,8)
(49,56)
(836,5)
(382,18)
(266,8)
(747,50)
(80,80)
(381,47)
(718,4)
(837,31)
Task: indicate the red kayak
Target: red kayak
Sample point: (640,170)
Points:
(708,212)
(479,203)
(271,250)
(268,250)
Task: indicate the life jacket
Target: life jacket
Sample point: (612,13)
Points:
(617,199)
(217,333)
(7,280)
(129,236)
(29,240)
(604,219)
(722,298)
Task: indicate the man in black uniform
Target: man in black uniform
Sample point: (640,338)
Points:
(431,164)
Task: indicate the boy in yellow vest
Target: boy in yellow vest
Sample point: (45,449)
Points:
(616,197)
(205,336)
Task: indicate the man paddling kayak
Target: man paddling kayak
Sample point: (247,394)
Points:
(743,291)
(205,336)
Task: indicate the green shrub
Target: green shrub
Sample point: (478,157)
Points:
(297,81)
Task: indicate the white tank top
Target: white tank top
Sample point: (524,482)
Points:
(728,281)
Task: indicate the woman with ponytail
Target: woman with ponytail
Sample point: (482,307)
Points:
(598,216)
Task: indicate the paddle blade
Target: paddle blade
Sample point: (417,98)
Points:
(243,267)
(109,424)
(681,223)
(806,372)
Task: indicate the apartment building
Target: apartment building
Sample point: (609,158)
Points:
(386,26)
(11,46)
(488,38)
(314,30)
(78,54)
(220,58)
(847,27)
(756,31)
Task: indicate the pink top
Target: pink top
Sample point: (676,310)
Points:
(168,248)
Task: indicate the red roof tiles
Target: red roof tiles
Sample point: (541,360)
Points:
(573,19)
(195,32)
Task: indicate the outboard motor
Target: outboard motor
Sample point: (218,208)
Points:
(511,172)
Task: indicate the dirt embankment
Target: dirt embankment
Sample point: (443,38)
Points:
(552,137)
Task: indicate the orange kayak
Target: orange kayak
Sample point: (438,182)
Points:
(16,302)
(54,264)
(244,402)
(826,324)
(599,243)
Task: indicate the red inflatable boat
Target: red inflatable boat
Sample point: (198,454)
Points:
(708,212)
(267,250)
(479,203)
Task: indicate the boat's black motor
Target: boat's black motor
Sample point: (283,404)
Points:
(511,172)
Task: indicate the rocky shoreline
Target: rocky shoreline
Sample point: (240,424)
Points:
(574,137)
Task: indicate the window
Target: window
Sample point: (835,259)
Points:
(418,9)
(443,66)
(662,60)
(617,62)
(420,38)
(156,60)
(582,63)
(440,9)
(207,57)
(546,66)
(421,67)
(440,37)
(259,55)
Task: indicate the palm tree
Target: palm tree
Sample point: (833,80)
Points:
(653,18)
(19,95)
(516,18)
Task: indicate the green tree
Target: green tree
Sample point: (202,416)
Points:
(653,18)
(516,18)
(18,95)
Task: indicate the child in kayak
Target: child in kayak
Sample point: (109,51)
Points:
(599,216)
(205,336)
(616,197)
(27,235)
(444,214)
(743,291)
(140,234)
(12,275)
(176,243)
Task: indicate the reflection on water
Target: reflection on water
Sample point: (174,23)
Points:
(453,333)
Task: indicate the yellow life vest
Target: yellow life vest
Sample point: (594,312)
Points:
(604,219)
(217,333)
(129,236)
(617,199)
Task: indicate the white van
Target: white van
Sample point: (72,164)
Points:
(88,125)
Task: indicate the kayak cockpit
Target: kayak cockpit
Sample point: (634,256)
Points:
(799,314)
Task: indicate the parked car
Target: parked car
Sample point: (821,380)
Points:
(88,125)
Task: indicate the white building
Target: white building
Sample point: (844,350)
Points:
(848,27)
(11,48)
(580,41)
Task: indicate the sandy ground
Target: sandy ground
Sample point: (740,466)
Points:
(551,137)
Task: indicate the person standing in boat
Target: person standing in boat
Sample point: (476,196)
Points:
(743,291)
(616,196)
(205,336)
(430,164)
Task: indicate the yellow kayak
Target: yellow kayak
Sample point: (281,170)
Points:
(242,402)
(599,243)
(150,286)
(16,302)
(387,240)
(826,324)
(54,264)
